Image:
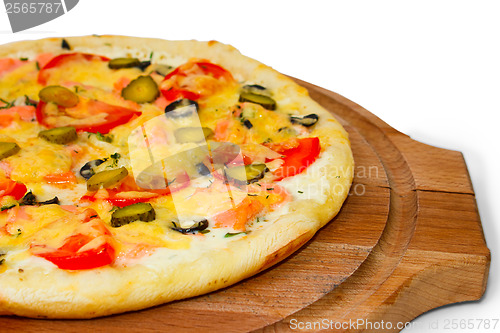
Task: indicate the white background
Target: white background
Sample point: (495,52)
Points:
(430,69)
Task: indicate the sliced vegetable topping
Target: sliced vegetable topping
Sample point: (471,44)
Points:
(266,101)
(192,134)
(60,95)
(44,73)
(198,226)
(87,169)
(88,115)
(8,149)
(107,178)
(210,78)
(246,174)
(119,63)
(59,135)
(136,212)
(65,44)
(180,103)
(12,188)
(298,158)
(80,250)
(141,90)
(29,199)
(306,121)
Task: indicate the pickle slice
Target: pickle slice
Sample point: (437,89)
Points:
(141,90)
(119,63)
(60,95)
(247,174)
(136,212)
(106,178)
(8,149)
(266,101)
(59,135)
(192,134)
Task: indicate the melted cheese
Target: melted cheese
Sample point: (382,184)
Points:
(51,225)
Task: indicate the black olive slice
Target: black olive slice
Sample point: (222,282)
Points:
(306,121)
(200,226)
(202,169)
(28,199)
(247,123)
(54,200)
(180,103)
(255,88)
(65,44)
(87,169)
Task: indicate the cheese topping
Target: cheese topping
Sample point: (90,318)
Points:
(184,178)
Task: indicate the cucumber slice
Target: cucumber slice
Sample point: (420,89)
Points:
(105,179)
(59,135)
(141,90)
(60,95)
(136,212)
(8,149)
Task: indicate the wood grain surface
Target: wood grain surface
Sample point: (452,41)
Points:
(407,240)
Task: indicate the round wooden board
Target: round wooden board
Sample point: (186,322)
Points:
(407,239)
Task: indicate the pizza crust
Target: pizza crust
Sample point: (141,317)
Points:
(35,288)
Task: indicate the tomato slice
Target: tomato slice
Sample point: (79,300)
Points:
(87,110)
(181,181)
(297,159)
(10,187)
(68,257)
(44,74)
(180,83)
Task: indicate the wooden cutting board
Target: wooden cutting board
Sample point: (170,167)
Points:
(407,240)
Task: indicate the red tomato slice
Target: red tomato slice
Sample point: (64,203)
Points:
(297,159)
(10,187)
(67,258)
(177,85)
(44,74)
(115,116)
(182,181)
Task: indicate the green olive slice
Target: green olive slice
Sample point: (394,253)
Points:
(119,63)
(60,95)
(247,174)
(266,101)
(192,134)
(141,90)
(8,149)
(136,212)
(59,135)
(106,178)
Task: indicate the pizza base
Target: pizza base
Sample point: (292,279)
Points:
(34,288)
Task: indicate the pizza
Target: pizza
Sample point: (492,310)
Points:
(135,172)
